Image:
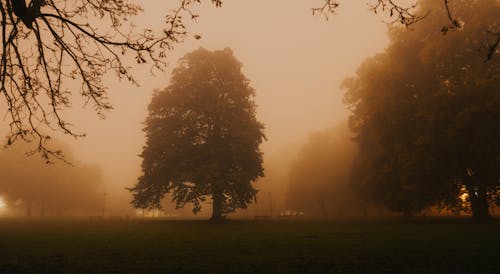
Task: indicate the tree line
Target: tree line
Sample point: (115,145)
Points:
(425,112)
(426,115)
(424,125)
(32,188)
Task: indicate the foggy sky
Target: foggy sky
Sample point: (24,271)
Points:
(295,62)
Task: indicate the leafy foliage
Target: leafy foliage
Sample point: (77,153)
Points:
(202,136)
(427,122)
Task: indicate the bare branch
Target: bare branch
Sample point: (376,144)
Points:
(49,45)
(493,46)
(328,7)
(404,15)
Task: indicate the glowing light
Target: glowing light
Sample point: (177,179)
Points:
(2,204)
(464,197)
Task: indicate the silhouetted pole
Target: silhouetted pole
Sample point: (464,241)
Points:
(103,204)
(270,205)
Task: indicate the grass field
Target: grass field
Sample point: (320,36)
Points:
(442,246)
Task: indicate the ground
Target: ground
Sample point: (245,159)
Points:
(292,246)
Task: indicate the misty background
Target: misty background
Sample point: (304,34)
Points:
(296,72)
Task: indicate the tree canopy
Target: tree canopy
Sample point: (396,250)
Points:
(202,137)
(427,122)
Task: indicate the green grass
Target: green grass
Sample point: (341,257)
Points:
(249,247)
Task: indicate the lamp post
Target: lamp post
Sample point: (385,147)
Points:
(103,204)
(270,205)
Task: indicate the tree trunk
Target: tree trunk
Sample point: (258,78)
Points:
(28,209)
(217,205)
(478,196)
(479,202)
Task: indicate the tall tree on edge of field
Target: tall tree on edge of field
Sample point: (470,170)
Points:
(202,137)
(427,122)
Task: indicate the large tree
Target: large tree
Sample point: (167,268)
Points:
(202,137)
(427,122)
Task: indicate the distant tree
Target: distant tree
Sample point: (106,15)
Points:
(319,178)
(202,137)
(427,122)
(52,189)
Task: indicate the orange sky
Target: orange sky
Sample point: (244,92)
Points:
(295,62)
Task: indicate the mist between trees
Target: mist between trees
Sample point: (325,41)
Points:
(422,136)
(31,188)
(319,177)
(425,135)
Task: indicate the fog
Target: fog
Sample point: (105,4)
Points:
(320,176)
(221,136)
(294,60)
(29,187)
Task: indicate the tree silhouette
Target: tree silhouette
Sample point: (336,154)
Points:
(202,137)
(427,122)
(52,189)
(50,47)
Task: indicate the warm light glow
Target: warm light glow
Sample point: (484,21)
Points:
(2,204)
(463,194)
(464,197)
